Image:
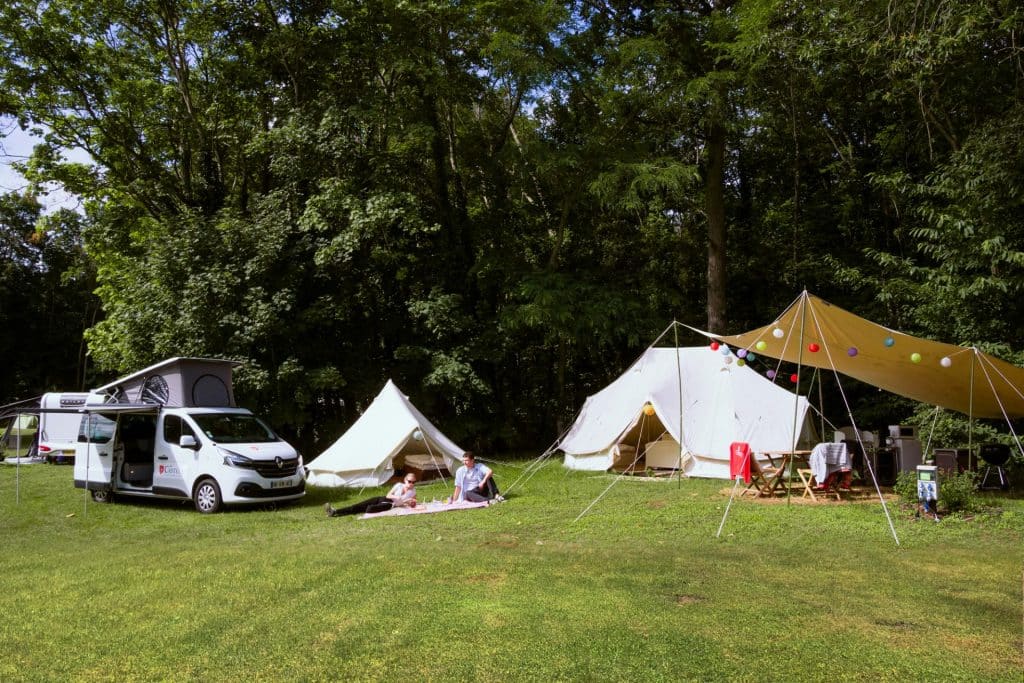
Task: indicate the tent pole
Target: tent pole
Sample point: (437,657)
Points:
(679,381)
(796,397)
(970,415)
(664,332)
(821,400)
(931,433)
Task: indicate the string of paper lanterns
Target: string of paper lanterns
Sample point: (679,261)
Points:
(744,356)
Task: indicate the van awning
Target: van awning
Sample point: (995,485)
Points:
(115,408)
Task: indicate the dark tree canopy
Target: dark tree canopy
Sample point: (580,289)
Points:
(499,204)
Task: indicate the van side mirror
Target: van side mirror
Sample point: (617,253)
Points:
(188,441)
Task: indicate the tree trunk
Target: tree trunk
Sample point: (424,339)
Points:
(714,206)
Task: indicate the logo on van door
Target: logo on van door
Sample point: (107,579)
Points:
(169,469)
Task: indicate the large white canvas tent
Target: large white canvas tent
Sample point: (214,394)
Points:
(700,400)
(391,435)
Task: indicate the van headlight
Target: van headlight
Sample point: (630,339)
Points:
(232,459)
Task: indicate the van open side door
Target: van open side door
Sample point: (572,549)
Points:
(99,450)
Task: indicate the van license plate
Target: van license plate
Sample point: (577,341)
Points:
(281,484)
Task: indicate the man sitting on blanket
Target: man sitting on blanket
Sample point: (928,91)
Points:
(402,494)
(474,482)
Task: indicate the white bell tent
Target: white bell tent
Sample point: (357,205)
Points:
(697,397)
(390,435)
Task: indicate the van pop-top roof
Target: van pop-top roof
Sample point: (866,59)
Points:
(177,383)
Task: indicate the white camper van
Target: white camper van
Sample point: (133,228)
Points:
(172,431)
(59,416)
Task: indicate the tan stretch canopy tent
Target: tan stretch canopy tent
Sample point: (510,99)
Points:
(812,332)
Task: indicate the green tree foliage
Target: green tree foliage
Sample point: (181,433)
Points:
(45,283)
(499,204)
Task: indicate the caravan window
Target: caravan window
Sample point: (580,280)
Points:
(234,428)
(96,428)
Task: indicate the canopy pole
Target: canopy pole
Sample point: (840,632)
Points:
(796,397)
(970,413)
(931,433)
(821,399)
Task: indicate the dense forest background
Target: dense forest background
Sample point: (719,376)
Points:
(498,204)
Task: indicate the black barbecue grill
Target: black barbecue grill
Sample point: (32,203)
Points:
(995,456)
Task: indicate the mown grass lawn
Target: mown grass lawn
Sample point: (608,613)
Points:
(639,589)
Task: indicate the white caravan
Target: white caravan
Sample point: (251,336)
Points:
(172,431)
(59,417)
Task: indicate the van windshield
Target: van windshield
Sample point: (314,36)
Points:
(222,428)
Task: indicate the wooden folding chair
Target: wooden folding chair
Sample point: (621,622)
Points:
(764,478)
(811,486)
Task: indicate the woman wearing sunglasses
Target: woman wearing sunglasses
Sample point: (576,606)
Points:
(402,494)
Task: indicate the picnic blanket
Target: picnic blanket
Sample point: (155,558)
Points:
(424,509)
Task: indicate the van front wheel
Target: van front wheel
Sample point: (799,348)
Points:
(100,496)
(207,497)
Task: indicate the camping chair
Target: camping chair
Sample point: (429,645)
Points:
(764,478)
(811,485)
